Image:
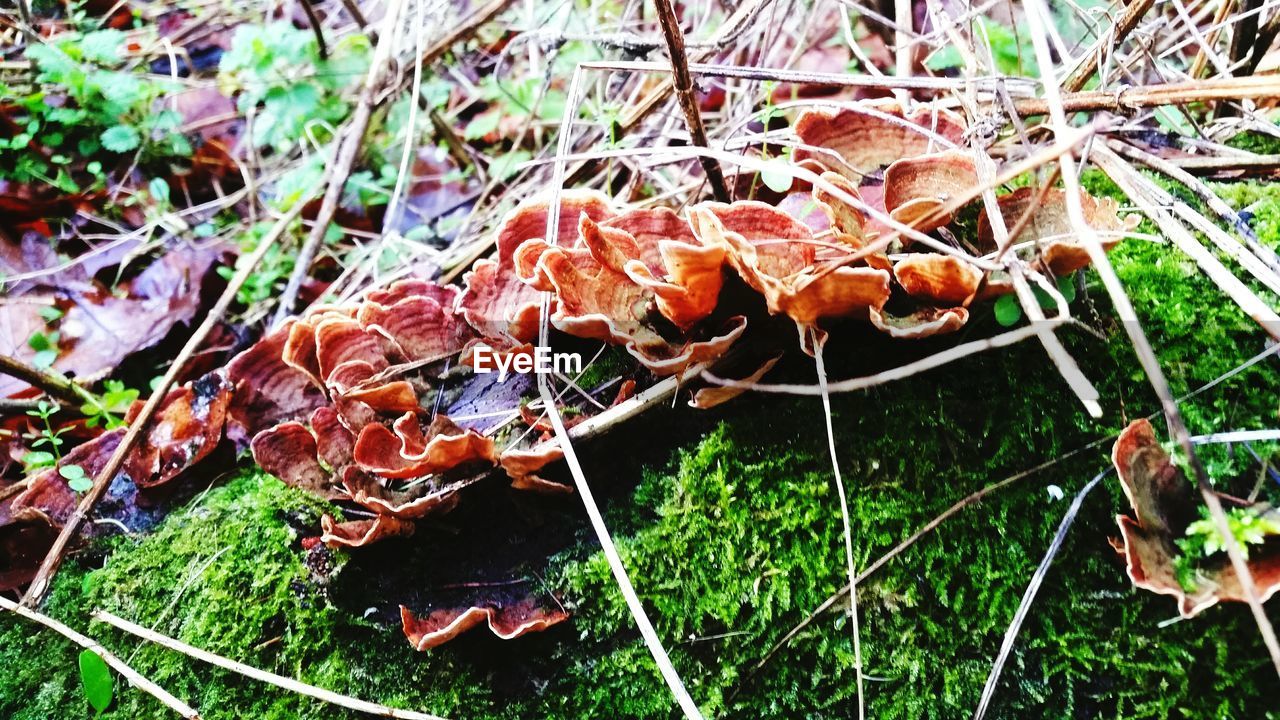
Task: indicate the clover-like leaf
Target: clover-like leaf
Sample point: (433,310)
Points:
(76,478)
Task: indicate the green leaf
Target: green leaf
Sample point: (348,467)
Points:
(43,341)
(507,165)
(44,359)
(96,677)
(1067,287)
(38,459)
(1007,310)
(159,189)
(102,46)
(945,59)
(482,125)
(76,478)
(121,89)
(777,176)
(121,138)
(53,62)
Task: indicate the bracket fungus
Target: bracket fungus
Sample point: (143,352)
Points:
(909,167)
(1165,505)
(378,403)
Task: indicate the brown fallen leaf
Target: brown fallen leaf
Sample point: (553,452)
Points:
(100,328)
(710,397)
(185,430)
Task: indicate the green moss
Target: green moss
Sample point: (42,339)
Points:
(1256,142)
(225,574)
(739,538)
(1260,199)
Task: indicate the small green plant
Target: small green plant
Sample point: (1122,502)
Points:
(1008,311)
(1013,54)
(77,479)
(108,409)
(1249,526)
(277,68)
(518,100)
(46,437)
(45,343)
(86,106)
(272,272)
(96,678)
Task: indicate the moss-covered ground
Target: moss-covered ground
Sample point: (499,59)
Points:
(736,538)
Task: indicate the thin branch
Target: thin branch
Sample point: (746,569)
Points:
(847,530)
(936,360)
(1213,164)
(348,149)
(16,487)
(279,681)
(11,405)
(108,472)
(651,639)
(1152,200)
(1202,56)
(1144,96)
(904,49)
(28,22)
(54,385)
(354,10)
(683,84)
(1224,212)
(1019,87)
(135,679)
(465,29)
(314,21)
(1133,13)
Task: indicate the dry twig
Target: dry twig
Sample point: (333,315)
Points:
(279,681)
(55,386)
(1033,587)
(135,679)
(40,584)
(347,149)
(683,84)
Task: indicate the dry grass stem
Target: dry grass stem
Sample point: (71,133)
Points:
(279,681)
(133,676)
